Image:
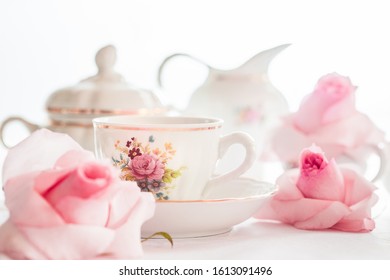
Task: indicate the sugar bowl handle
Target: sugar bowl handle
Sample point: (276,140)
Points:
(31,127)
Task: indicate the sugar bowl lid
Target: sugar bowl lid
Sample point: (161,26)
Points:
(106,93)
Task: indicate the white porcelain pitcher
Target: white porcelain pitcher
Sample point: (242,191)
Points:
(243,97)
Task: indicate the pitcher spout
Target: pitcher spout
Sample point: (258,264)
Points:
(260,62)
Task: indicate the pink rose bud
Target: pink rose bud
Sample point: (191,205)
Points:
(64,204)
(332,99)
(321,195)
(85,180)
(327,117)
(319,179)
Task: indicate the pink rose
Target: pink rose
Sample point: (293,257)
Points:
(320,195)
(146,167)
(64,204)
(328,118)
(332,99)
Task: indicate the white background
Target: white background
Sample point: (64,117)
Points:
(46,45)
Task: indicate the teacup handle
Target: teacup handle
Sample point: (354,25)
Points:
(30,127)
(250,155)
(379,150)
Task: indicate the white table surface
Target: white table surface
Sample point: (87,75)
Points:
(254,239)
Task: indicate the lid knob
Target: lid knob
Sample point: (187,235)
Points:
(105,59)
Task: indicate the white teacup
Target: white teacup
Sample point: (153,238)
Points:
(172,157)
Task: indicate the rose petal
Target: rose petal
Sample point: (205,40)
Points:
(39,151)
(127,242)
(266,212)
(341,109)
(350,132)
(359,220)
(122,201)
(309,115)
(84,181)
(45,180)
(73,158)
(289,206)
(327,184)
(71,242)
(14,244)
(362,209)
(357,188)
(331,100)
(297,141)
(289,152)
(75,210)
(62,210)
(287,189)
(26,206)
(364,225)
(326,218)
(293,212)
(328,118)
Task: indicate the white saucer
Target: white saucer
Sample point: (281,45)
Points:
(215,214)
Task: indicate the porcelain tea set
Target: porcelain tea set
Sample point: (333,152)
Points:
(71,110)
(175,157)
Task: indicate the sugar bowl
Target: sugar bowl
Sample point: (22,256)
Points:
(71,109)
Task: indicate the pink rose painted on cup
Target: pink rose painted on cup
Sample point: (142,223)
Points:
(321,195)
(146,167)
(328,118)
(64,204)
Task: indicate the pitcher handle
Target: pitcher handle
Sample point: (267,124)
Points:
(31,127)
(162,65)
(379,151)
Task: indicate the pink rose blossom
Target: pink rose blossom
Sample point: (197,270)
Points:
(146,167)
(328,118)
(64,204)
(332,99)
(320,195)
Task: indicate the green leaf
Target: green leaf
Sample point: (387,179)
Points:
(160,233)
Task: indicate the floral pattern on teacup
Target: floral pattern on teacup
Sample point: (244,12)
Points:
(147,166)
